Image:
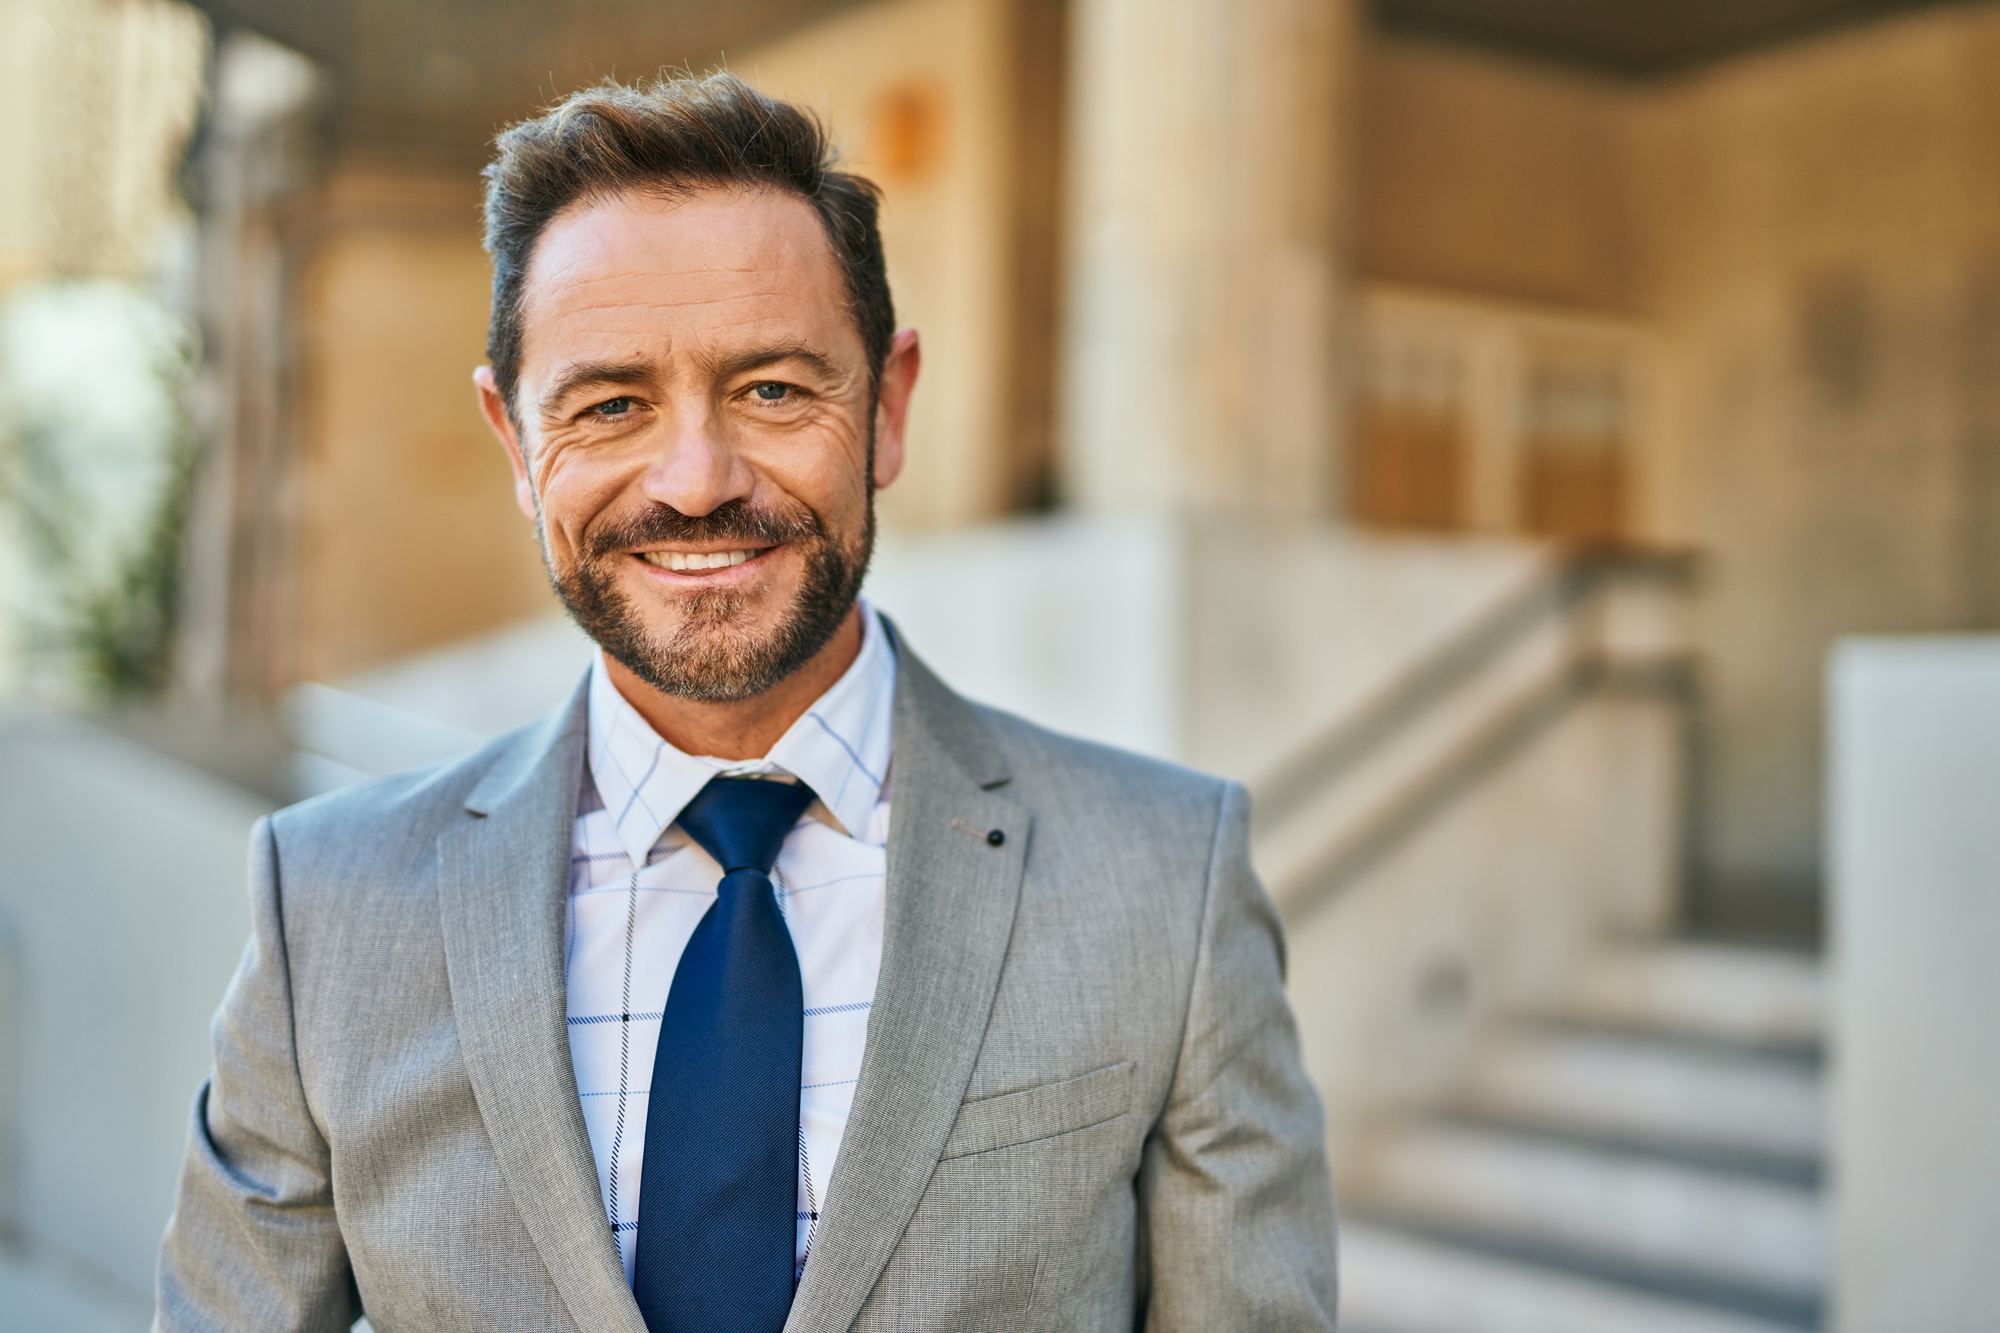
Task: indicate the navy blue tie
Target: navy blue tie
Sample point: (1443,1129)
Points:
(718,1196)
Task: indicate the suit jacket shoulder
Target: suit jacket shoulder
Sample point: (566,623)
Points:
(1115,823)
(1125,1068)
(1106,777)
(385,829)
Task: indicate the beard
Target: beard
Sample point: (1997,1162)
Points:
(713,655)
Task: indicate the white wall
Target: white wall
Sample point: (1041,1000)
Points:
(122,884)
(1914,822)
(1075,623)
(1224,644)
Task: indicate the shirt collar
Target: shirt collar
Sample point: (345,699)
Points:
(839,747)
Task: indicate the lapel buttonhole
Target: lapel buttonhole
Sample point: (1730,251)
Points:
(992,837)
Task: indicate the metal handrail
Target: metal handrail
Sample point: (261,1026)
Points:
(1449,667)
(1440,675)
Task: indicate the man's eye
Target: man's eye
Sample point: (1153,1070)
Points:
(617,407)
(772,393)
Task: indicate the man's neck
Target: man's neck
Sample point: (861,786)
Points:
(741,728)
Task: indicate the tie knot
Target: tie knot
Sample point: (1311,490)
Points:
(742,822)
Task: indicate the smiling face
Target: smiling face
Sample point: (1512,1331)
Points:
(697,434)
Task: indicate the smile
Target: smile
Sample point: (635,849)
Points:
(692,560)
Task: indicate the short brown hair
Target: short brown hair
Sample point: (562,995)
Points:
(673,135)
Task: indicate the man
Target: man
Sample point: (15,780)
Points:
(766,984)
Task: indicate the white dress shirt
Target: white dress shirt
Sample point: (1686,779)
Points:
(639,886)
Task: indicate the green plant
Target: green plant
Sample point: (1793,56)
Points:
(98,457)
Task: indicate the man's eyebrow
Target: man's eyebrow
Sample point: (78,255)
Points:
(742,363)
(595,373)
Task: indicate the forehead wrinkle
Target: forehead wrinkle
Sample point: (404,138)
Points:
(747,258)
(662,301)
(729,348)
(618,286)
(598,318)
(599,268)
(653,274)
(574,298)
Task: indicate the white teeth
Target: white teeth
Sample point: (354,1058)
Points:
(696,559)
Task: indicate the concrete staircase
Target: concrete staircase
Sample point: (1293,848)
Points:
(1646,1159)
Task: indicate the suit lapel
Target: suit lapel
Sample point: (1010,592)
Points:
(952,896)
(503,883)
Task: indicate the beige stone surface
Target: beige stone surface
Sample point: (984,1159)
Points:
(1811,235)
(1494,176)
(916,93)
(95,101)
(409,532)
(1204,358)
(1821,239)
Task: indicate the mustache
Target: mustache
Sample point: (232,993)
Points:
(731,521)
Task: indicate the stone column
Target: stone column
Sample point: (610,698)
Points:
(1207,172)
(258,166)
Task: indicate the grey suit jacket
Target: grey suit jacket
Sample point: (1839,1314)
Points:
(1081,1104)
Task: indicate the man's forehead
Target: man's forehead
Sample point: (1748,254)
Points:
(699,263)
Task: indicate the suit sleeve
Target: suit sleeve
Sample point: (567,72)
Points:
(254,1244)
(1236,1203)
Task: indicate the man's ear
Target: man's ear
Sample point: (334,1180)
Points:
(892,404)
(494,408)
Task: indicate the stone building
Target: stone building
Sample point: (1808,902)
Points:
(1722,283)
(1481,416)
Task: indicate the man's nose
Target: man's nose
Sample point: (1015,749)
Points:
(693,468)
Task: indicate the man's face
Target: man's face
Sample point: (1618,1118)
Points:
(699,439)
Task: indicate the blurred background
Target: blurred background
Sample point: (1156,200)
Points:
(1549,449)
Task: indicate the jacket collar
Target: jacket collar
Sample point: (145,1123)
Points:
(503,881)
(952,896)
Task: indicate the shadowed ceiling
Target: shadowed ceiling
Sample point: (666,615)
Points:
(1628,37)
(442,75)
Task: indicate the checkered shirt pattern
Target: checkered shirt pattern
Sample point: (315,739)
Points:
(639,886)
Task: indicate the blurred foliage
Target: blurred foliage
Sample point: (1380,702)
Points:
(96,462)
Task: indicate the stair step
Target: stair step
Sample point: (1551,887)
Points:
(1693,1091)
(1802,1172)
(1397,1281)
(1738,992)
(1631,1212)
